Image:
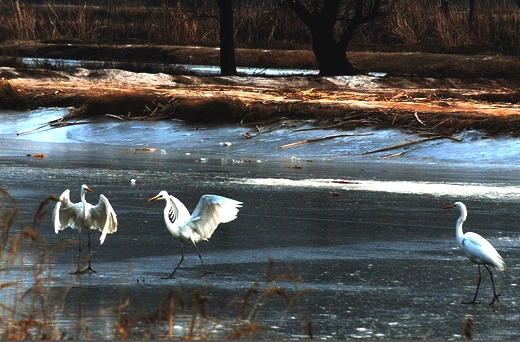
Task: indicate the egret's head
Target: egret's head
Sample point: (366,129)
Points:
(85,188)
(161,195)
(458,205)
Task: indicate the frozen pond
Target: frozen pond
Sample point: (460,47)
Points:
(375,255)
(193,69)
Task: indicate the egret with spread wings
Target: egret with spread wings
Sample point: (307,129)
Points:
(84,215)
(478,250)
(200,225)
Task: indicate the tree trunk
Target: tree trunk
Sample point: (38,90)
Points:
(227,38)
(331,55)
(471,14)
(445,7)
(332,59)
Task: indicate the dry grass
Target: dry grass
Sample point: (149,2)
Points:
(147,106)
(242,318)
(27,311)
(9,97)
(262,24)
(249,308)
(207,110)
(229,110)
(327,106)
(439,65)
(121,104)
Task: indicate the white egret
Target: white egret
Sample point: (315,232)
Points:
(84,215)
(200,225)
(478,250)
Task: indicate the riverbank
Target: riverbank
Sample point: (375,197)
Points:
(418,102)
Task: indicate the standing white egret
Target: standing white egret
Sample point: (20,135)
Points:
(84,215)
(478,250)
(200,225)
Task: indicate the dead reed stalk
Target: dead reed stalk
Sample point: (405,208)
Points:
(30,312)
(258,298)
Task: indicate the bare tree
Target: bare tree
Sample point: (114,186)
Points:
(332,24)
(226,30)
(471,13)
(227,38)
(445,6)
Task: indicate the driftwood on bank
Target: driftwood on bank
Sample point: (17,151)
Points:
(32,129)
(54,124)
(328,137)
(406,143)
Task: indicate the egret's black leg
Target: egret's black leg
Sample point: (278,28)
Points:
(89,269)
(474,301)
(79,254)
(202,262)
(180,262)
(495,295)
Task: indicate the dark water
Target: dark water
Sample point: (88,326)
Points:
(365,249)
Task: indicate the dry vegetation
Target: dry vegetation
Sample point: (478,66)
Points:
(26,309)
(495,24)
(420,105)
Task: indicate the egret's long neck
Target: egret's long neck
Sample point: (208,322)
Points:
(460,222)
(84,202)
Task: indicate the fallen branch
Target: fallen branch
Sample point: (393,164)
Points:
(59,124)
(115,117)
(407,143)
(317,128)
(257,132)
(31,130)
(393,155)
(53,124)
(339,124)
(417,118)
(328,137)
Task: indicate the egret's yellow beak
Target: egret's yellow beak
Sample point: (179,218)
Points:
(451,206)
(154,198)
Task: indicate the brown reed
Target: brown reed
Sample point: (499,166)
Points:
(259,24)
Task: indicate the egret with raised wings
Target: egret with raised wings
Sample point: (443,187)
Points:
(84,215)
(478,250)
(200,225)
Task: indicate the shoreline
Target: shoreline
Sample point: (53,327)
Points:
(419,105)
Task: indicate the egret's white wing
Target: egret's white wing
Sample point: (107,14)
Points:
(210,211)
(103,217)
(178,211)
(480,251)
(65,212)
